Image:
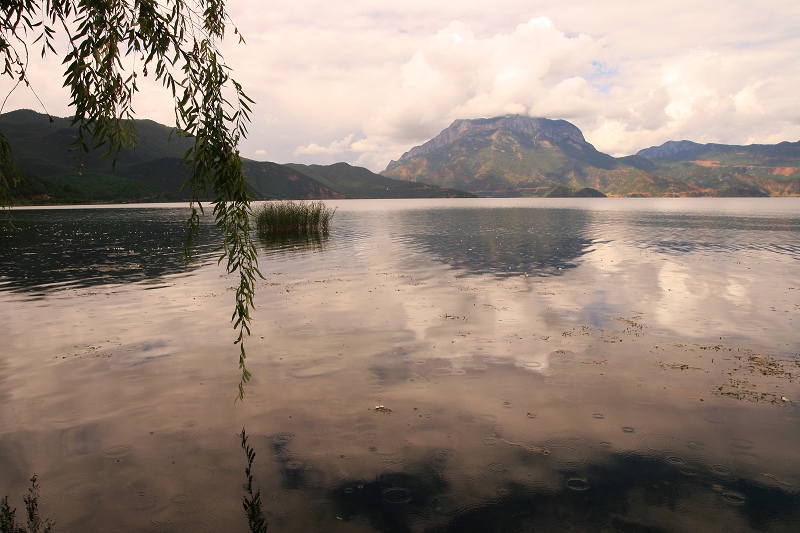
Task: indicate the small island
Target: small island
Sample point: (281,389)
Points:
(563,191)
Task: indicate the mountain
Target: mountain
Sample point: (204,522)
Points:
(542,129)
(567,192)
(155,170)
(522,156)
(275,181)
(731,170)
(358,182)
(502,156)
(42,151)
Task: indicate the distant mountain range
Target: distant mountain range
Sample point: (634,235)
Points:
(523,156)
(510,156)
(154,171)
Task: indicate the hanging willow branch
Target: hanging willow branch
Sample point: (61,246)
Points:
(112,43)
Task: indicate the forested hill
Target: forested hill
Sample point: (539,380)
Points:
(154,171)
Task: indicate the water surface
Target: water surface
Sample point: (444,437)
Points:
(430,365)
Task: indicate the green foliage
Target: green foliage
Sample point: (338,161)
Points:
(40,191)
(252,501)
(358,182)
(293,218)
(42,149)
(98,188)
(8,521)
(109,45)
(9,176)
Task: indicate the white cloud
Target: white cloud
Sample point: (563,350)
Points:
(393,75)
(704,96)
(535,69)
(336,147)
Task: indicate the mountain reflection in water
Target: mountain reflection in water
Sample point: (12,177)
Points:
(624,493)
(437,366)
(501,242)
(684,233)
(51,249)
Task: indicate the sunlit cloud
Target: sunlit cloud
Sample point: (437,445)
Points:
(336,147)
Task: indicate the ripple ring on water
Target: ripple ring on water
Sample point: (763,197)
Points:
(449,505)
(723,470)
(742,444)
(396,495)
(734,498)
(70,486)
(283,437)
(294,465)
(577,484)
(119,451)
(497,468)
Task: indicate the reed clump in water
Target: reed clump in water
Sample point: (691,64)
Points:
(293,218)
(36,524)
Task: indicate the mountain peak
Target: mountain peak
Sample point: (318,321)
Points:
(671,150)
(558,131)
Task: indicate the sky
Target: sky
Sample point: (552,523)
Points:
(364,81)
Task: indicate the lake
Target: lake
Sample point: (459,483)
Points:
(429,365)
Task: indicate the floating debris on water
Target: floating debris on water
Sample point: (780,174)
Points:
(755,366)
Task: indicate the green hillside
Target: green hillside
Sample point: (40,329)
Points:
(274,181)
(155,171)
(358,182)
(43,151)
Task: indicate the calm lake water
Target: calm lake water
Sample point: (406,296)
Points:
(444,365)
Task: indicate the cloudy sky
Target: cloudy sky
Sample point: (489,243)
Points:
(365,80)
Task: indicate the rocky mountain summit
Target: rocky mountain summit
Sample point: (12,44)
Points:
(538,129)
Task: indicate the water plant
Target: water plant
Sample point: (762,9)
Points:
(289,217)
(8,521)
(252,501)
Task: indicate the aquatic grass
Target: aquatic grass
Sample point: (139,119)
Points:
(8,521)
(293,218)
